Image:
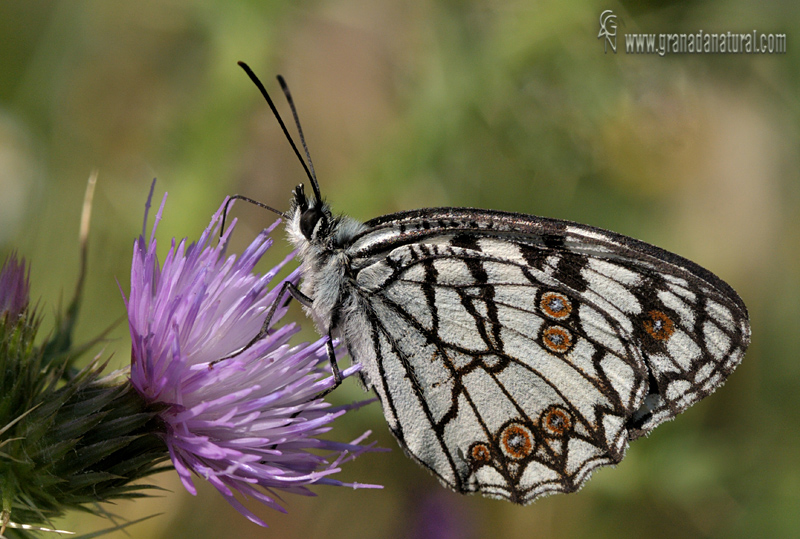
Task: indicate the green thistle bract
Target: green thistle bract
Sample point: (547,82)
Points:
(67,441)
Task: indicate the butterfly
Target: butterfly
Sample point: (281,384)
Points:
(512,354)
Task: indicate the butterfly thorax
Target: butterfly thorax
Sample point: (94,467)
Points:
(321,240)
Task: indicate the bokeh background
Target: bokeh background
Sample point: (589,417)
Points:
(510,105)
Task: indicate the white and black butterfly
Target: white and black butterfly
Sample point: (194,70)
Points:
(513,354)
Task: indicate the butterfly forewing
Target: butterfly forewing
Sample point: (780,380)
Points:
(513,355)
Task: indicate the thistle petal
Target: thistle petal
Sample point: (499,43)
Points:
(14,287)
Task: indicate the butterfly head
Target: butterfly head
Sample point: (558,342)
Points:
(309,220)
(313,229)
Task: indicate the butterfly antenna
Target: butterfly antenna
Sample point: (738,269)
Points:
(246,199)
(309,172)
(313,176)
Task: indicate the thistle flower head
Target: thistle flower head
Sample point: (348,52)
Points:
(243,417)
(14,288)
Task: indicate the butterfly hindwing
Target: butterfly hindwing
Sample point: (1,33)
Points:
(691,327)
(513,355)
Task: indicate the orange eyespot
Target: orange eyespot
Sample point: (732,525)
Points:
(480,453)
(516,441)
(555,305)
(658,325)
(556,421)
(557,339)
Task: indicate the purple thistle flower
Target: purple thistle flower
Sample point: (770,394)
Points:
(14,287)
(245,423)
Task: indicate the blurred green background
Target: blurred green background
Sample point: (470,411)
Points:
(505,105)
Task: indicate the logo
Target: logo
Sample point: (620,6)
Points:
(608,30)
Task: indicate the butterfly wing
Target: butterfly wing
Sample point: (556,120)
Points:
(513,355)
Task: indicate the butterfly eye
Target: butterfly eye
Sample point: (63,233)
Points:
(309,220)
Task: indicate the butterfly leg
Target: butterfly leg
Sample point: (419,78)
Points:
(337,375)
(293,292)
(289,290)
